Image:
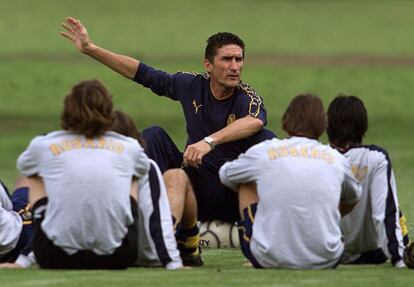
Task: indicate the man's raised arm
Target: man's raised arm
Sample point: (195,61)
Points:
(78,34)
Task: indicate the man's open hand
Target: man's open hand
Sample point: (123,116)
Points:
(77,33)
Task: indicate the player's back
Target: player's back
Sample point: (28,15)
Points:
(299,185)
(367,227)
(88,183)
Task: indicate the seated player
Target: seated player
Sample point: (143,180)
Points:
(15,226)
(85,216)
(293,219)
(156,241)
(375,230)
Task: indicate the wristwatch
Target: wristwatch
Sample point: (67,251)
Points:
(210,141)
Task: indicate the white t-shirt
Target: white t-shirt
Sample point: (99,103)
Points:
(300,183)
(88,183)
(10,223)
(374,222)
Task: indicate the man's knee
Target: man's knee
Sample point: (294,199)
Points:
(262,135)
(160,147)
(36,189)
(21,181)
(247,195)
(176,177)
(153,133)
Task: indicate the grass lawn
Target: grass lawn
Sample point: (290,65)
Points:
(223,268)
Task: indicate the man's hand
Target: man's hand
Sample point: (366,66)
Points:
(194,153)
(77,33)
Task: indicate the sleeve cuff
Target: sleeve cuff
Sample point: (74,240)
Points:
(141,71)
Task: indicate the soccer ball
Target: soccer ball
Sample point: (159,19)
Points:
(218,234)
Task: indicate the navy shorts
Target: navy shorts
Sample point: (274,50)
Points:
(50,256)
(214,200)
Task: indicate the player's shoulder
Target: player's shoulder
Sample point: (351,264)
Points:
(124,139)
(248,91)
(265,145)
(46,137)
(372,152)
(190,76)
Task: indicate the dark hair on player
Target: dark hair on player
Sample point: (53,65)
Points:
(124,125)
(219,40)
(347,121)
(305,116)
(88,109)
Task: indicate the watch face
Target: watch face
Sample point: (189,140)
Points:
(210,141)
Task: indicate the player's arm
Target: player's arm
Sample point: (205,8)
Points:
(351,191)
(27,162)
(241,170)
(142,162)
(239,129)
(10,227)
(78,34)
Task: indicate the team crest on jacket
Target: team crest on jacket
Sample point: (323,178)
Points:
(359,172)
(196,107)
(231,118)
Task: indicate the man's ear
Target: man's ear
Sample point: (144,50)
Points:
(207,65)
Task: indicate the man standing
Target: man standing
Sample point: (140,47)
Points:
(224,117)
(300,183)
(375,230)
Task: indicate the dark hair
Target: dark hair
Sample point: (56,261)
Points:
(88,109)
(219,40)
(305,116)
(124,125)
(347,120)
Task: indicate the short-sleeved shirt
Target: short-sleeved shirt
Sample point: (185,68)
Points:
(300,183)
(204,114)
(88,184)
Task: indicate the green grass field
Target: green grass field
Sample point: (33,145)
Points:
(38,68)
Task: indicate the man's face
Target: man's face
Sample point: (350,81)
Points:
(226,67)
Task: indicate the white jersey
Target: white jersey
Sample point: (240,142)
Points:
(300,183)
(88,183)
(156,240)
(374,222)
(10,223)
